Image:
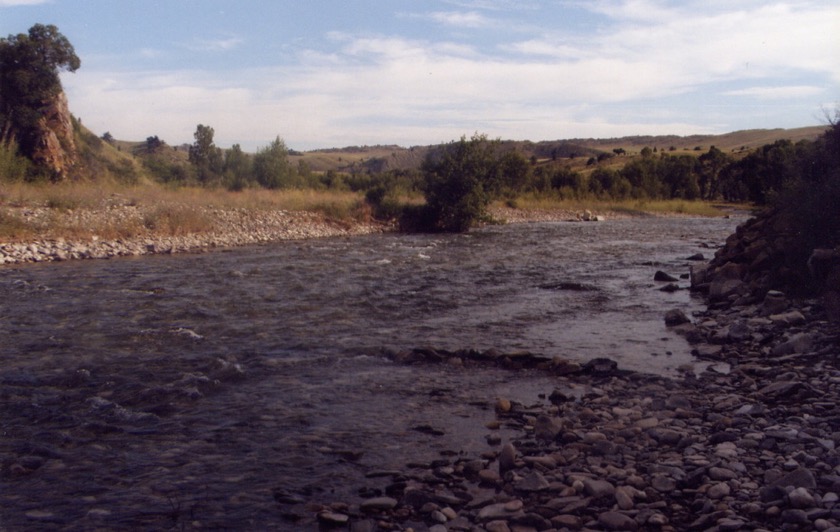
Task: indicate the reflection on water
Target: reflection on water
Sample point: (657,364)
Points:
(219,380)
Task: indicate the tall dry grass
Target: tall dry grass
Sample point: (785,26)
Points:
(629,206)
(160,209)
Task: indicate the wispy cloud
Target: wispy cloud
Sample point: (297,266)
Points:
(494,5)
(777,93)
(9,3)
(462,19)
(214,45)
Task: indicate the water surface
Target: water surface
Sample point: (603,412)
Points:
(164,390)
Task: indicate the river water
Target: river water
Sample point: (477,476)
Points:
(169,391)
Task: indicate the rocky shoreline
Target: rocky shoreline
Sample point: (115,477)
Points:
(746,445)
(224,228)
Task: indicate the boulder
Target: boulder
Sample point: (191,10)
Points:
(546,428)
(664,277)
(600,366)
(507,458)
(775,302)
(676,317)
(699,277)
(617,521)
(722,288)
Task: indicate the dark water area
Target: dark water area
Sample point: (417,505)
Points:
(200,390)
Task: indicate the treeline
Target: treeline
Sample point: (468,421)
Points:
(711,175)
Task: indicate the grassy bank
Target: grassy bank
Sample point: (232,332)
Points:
(52,211)
(630,207)
(59,211)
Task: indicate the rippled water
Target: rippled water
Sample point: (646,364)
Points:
(164,390)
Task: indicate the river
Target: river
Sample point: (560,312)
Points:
(172,391)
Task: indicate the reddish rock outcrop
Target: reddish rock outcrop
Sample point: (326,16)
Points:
(55,149)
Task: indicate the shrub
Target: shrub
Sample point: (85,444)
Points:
(13,166)
(459,181)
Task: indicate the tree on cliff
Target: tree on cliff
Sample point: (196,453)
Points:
(29,81)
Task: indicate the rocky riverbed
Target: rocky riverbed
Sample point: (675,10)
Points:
(185,229)
(219,228)
(749,444)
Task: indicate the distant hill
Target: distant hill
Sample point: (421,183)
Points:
(382,158)
(139,159)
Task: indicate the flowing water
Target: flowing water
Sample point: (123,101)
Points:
(165,390)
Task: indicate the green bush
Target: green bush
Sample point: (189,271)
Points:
(459,181)
(13,166)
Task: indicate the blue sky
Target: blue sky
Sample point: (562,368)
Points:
(322,73)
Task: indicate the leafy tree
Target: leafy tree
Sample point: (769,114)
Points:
(237,169)
(711,164)
(153,144)
(515,174)
(679,177)
(459,181)
(271,166)
(204,154)
(564,178)
(761,176)
(107,137)
(29,81)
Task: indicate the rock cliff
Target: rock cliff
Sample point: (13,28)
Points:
(55,147)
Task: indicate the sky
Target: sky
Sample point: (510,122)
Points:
(335,73)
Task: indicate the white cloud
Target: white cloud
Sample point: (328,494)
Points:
(777,93)
(462,19)
(9,3)
(214,45)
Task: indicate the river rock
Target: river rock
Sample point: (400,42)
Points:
(532,482)
(333,519)
(664,277)
(624,498)
(507,458)
(617,521)
(775,302)
(498,511)
(788,318)
(378,504)
(801,498)
(675,317)
(719,491)
(598,489)
(798,478)
(546,428)
(600,366)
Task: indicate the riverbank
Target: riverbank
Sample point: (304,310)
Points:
(117,228)
(162,229)
(749,444)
